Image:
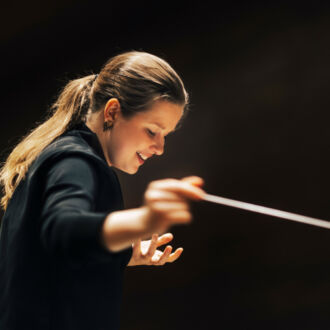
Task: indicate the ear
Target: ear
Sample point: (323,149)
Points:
(111,110)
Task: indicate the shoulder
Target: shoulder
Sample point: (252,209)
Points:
(74,165)
(70,152)
(69,162)
(72,168)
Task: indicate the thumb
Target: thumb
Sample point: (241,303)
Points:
(194,180)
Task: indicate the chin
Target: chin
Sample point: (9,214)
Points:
(132,171)
(128,170)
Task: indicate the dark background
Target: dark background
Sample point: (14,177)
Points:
(258,75)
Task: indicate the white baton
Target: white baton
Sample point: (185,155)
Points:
(267,210)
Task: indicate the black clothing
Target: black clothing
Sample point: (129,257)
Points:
(54,271)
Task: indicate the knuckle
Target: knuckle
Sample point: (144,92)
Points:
(186,206)
(188,216)
(147,195)
(155,183)
(151,184)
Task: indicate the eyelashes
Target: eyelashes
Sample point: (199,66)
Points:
(153,134)
(150,132)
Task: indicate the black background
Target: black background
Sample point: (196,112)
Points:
(258,74)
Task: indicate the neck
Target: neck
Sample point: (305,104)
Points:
(95,123)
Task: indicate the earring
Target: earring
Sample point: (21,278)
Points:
(107,125)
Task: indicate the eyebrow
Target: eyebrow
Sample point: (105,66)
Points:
(163,128)
(158,124)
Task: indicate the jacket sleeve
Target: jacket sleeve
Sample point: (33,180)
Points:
(70,228)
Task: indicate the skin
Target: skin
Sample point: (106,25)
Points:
(145,132)
(166,202)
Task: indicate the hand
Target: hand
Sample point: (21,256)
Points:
(145,253)
(167,202)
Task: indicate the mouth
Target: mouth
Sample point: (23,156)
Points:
(141,158)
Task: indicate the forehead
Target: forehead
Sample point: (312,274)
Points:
(164,114)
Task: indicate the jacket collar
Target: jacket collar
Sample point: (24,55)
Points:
(78,140)
(83,131)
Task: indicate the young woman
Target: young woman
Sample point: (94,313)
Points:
(65,237)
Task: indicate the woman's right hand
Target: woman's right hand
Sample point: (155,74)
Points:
(166,202)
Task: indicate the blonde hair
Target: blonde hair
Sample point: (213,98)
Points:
(136,79)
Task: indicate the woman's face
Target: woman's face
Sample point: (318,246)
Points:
(130,142)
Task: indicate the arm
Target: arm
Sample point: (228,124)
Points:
(70,227)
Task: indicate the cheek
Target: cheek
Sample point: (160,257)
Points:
(125,143)
(136,138)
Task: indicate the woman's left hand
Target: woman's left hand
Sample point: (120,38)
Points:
(146,253)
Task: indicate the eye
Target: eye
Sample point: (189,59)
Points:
(150,132)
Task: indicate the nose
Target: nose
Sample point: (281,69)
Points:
(158,147)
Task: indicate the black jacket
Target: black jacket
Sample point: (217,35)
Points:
(54,271)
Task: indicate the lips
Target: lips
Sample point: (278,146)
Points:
(141,160)
(142,156)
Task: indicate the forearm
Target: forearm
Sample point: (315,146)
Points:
(122,228)
(70,233)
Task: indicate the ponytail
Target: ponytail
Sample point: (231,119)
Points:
(70,108)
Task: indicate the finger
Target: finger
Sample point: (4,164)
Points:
(194,180)
(164,239)
(163,195)
(165,255)
(153,246)
(169,206)
(180,217)
(174,256)
(136,248)
(182,188)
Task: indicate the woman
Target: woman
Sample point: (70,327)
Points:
(65,237)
